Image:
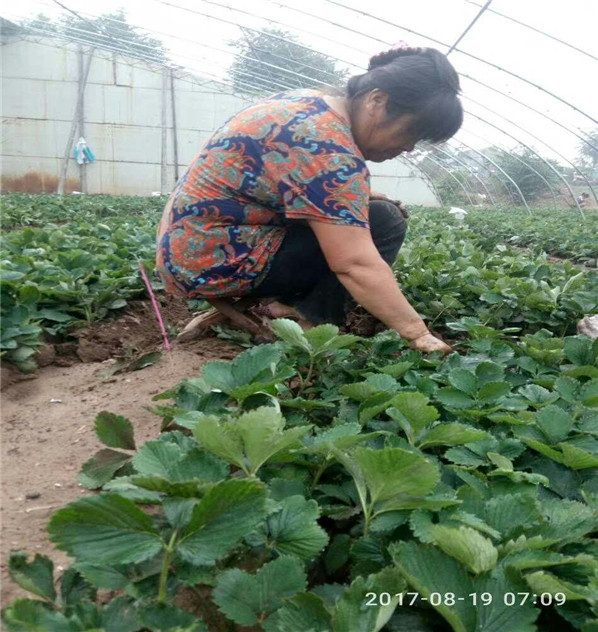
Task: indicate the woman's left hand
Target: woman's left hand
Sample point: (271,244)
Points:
(428,343)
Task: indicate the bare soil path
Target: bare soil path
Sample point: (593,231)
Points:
(45,442)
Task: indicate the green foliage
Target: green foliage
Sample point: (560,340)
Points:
(312,471)
(560,233)
(523,166)
(109,29)
(274,60)
(67,263)
(247,599)
(249,441)
(448,273)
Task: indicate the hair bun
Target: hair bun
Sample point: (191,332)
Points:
(387,57)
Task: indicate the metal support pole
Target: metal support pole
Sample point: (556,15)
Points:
(82,167)
(175,140)
(75,124)
(164,145)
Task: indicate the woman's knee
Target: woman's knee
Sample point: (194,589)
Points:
(386,220)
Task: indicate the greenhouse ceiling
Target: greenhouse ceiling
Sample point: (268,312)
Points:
(527,69)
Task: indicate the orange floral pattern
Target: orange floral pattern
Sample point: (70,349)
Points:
(286,158)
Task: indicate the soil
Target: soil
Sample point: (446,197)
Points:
(48,417)
(361,323)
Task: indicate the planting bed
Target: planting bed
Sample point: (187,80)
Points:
(326,482)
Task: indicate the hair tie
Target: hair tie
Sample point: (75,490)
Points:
(401,45)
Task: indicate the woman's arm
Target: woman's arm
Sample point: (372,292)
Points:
(353,257)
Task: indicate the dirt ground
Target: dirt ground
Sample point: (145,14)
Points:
(48,418)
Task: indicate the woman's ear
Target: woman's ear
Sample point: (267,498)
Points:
(376,101)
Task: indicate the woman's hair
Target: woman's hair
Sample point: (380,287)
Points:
(418,81)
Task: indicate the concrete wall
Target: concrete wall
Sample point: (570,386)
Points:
(123,123)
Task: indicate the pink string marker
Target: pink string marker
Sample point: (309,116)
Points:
(156,308)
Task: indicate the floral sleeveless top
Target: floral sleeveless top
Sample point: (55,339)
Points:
(288,157)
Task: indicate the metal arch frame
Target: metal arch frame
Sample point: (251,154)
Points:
(232,23)
(212,78)
(277,86)
(504,151)
(509,191)
(469,27)
(141,59)
(436,149)
(426,176)
(496,177)
(473,172)
(529,26)
(252,89)
(44,34)
(307,77)
(331,57)
(529,107)
(149,57)
(437,42)
(87,33)
(199,43)
(96,27)
(151,60)
(560,176)
(431,39)
(453,176)
(469,169)
(539,140)
(377,39)
(494,164)
(481,165)
(285,24)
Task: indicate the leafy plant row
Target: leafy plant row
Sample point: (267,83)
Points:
(22,210)
(290,485)
(84,265)
(58,277)
(447,274)
(559,233)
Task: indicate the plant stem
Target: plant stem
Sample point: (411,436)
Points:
(366,522)
(310,370)
(165,566)
(319,473)
(308,376)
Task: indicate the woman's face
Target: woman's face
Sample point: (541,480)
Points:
(378,137)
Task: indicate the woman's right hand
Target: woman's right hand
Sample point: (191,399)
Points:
(428,343)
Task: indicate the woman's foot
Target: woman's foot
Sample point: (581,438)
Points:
(275,309)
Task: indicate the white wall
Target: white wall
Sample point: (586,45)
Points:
(399,181)
(123,115)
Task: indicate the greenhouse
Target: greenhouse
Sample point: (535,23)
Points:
(299,319)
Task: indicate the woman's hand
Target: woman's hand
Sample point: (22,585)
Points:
(428,343)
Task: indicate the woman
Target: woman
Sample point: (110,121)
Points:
(277,203)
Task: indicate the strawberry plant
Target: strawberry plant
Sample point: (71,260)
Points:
(67,261)
(446,275)
(328,482)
